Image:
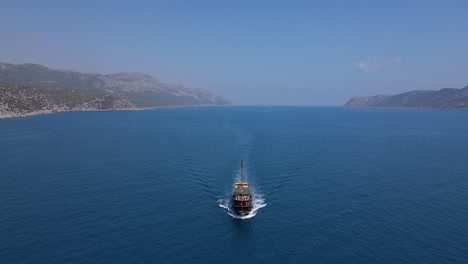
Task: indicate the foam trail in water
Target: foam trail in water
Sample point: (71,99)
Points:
(258,202)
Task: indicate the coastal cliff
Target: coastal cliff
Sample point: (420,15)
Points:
(23,101)
(31,89)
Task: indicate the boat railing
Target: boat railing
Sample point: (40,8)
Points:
(242,198)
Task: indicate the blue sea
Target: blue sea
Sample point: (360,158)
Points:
(332,185)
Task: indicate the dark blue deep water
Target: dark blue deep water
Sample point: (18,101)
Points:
(336,185)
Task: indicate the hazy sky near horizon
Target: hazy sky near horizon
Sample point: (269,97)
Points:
(250,52)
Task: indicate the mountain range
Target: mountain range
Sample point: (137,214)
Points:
(446,98)
(28,89)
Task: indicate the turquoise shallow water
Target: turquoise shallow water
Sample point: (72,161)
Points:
(333,185)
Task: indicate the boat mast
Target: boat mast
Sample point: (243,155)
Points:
(242,170)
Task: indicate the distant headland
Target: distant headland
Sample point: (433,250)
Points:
(446,98)
(32,89)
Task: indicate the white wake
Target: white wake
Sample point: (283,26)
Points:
(258,203)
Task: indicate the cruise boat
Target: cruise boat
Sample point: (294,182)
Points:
(242,195)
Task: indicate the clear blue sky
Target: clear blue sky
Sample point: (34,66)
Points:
(250,52)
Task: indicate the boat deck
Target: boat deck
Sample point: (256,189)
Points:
(241,189)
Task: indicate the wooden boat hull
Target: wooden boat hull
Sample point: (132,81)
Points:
(242,211)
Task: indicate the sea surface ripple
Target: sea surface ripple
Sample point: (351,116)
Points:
(332,185)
